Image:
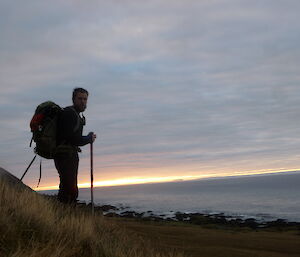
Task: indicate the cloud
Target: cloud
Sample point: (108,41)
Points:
(196,84)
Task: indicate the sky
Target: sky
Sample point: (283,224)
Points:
(178,89)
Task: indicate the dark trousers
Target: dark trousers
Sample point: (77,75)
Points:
(67,167)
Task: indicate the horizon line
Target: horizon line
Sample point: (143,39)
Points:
(168,179)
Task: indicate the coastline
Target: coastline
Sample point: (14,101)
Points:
(275,197)
(196,218)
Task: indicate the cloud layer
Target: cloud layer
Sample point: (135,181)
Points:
(175,86)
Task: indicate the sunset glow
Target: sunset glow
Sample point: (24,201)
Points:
(145,180)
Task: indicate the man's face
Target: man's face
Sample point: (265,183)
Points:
(80,101)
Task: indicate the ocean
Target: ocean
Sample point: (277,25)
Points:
(263,197)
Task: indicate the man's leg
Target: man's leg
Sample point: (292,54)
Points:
(67,168)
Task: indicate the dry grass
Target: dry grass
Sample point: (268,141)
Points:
(32,226)
(198,241)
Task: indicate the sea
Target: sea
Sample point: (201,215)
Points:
(262,197)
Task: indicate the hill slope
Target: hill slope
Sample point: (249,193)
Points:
(32,225)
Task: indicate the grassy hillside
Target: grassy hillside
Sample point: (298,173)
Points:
(33,226)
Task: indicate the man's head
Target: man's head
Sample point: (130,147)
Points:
(80,96)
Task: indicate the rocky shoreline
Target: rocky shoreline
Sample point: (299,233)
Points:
(194,218)
(197,218)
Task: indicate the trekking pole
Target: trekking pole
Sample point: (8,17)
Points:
(92,180)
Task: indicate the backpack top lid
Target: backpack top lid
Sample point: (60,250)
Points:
(44,112)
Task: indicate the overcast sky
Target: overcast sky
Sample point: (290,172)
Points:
(177,88)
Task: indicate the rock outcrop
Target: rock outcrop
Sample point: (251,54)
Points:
(11,179)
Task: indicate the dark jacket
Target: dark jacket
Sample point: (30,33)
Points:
(70,126)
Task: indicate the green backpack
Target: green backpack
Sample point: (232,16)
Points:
(43,126)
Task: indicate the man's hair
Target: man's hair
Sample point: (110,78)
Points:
(79,90)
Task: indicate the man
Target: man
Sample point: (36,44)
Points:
(69,137)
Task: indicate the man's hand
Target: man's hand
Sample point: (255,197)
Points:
(93,136)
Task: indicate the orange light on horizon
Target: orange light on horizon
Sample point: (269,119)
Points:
(147,180)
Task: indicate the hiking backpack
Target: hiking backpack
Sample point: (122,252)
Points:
(43,126)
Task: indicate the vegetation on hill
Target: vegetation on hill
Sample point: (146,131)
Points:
(34,226)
